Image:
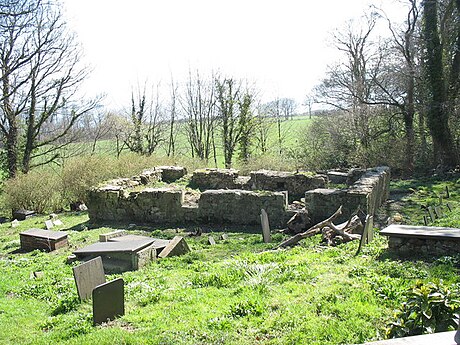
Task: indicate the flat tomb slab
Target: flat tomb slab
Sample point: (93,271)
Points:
(113,247)
(442,338)
(43,239)
(118,257)
(424,232)
(157,243)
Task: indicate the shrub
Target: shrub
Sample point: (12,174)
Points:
(39,190)
(429,308)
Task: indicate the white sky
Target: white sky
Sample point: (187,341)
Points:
(281,45)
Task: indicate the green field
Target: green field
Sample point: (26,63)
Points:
(239,291)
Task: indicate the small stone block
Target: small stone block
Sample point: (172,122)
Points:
(23,214)
(15,223)
(438,211)
(177,246)
(110,235)
(223,237)
(49,224)
(432,214)
(87,276)
(265,226)
(211,241)
(58,222)
(108,301)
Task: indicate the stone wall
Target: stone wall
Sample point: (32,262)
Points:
(368,192)
(225,201)
(242,207)
(296,184)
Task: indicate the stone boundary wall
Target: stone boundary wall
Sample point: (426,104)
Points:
(369,192)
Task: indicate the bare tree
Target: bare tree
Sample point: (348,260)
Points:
(40,62)
(172,120)
(287,107)
(147,125)
(198,103)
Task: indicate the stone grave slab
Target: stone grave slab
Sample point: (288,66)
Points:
(23,214)
(158,243)
(211,241)
(177,246)
(108,301)
(87,276)
(395,230)
(442,338)
(49,224)
(111,235)
(117,256)
(368,233)
(42,239)
(223,237)
(265,226)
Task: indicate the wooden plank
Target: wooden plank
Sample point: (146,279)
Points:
(87,276)
(265,226)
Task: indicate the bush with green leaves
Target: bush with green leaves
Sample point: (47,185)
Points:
(430,308)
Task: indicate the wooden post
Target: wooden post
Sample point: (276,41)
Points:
(265,226)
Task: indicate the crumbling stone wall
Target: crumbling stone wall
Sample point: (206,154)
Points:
(369,192)
(131,200)
(242,207)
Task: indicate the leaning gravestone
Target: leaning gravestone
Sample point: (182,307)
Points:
(49,224)
(368,233)
(177,246)
(108,301)
(265,226)
(211,241)
(87,276)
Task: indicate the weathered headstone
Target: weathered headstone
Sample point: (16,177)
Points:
(368,233)
(58,222)
(425,220)
(223,237)
(15,223)
(438,211)
(449,206)
(87,276)
(265,226)
(108,301)
(431,213)
(49,224)
(177,246)
(211,241)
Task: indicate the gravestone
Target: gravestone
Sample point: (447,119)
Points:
(108,301)
(438,211)
(368,233)
(87,276)
(49,224)
(58,222)
(177,246)
(432,214)
(265,226)
(211,241)
(23,214)
(223,237)
(15,223)
(42,239)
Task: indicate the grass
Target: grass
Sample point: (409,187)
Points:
(239,291)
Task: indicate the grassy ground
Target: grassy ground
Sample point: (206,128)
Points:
(236,292)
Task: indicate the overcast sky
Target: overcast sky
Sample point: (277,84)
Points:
(283,46)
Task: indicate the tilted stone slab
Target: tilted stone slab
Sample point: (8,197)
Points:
(87,276)
(443,338)
(43,239)
(157,243)
(108,301)
(176,247)
(110,235)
